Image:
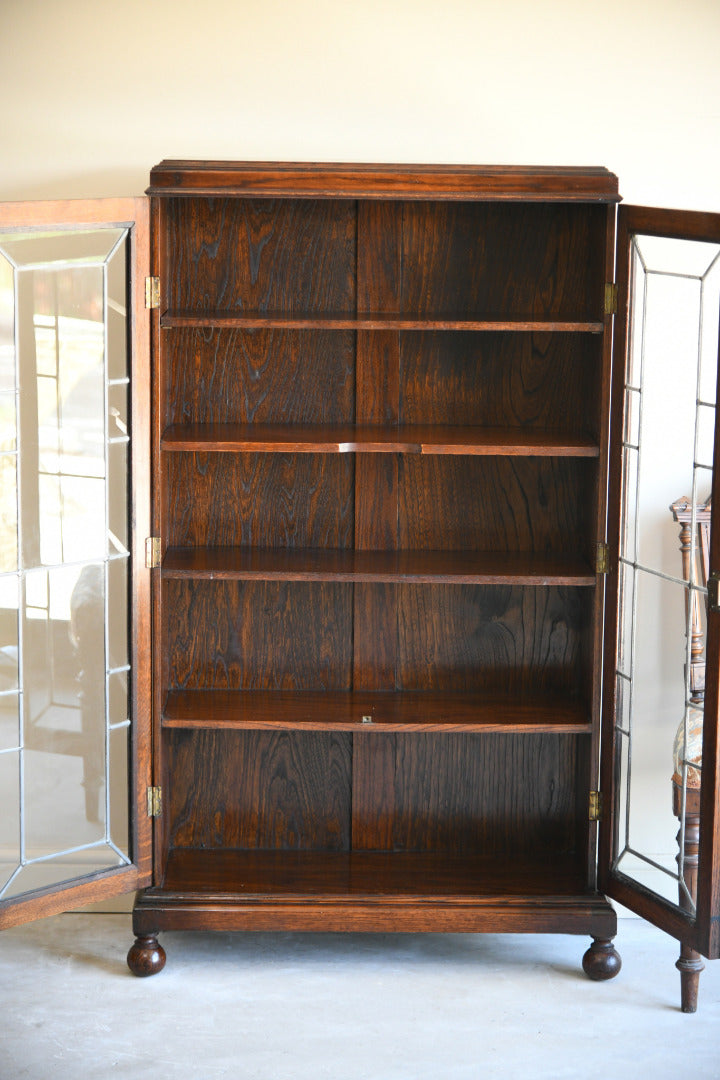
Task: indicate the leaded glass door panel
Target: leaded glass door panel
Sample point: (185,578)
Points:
(658,853)
(74,440)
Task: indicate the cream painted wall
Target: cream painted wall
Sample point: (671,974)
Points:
(95,93)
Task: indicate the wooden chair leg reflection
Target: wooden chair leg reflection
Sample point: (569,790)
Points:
(689,963)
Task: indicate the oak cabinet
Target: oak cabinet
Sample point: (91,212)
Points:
(381,447)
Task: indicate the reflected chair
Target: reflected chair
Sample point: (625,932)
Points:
(687,749)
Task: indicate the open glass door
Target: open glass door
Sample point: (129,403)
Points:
(658,848)
(74,453)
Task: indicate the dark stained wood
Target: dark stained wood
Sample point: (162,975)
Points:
(374,876)
(282,500)
(258,635)
(318,564)
(530,382)
(376,439)
(378,428)
(240,255)
(311,179)
(491,794)
(494,640)
(602,960)
(258,377)
(564,322)
(146,956)
(502,504)
(371,711)
(260,789)
(377,402)
(463,257)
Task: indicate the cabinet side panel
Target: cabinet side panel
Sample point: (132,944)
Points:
(260,789)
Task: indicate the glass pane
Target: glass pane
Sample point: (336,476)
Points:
(669,428)
(9,720)
(9,632)
(7,324)
(67,809)
(10,817)
(8,513)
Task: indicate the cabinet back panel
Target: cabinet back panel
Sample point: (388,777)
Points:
(512,504)
(258,376)
(463,794)
(268,500)
(258,635)
(260,254)
(527,380)
(495,639)
(521,259)
(260,789)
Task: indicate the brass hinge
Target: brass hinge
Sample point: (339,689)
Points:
(713,588)
(595,806)
(602,559)
(611,298)
(152,292)
(154,801)
(153,552)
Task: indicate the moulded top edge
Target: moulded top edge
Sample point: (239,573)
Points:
(337,180)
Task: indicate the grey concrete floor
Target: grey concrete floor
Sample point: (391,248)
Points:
(346,1007)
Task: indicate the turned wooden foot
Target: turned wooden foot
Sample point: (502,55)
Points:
(601,961)
(146,956)
(689,964)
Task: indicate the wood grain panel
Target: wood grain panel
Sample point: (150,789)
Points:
(489,794)
(236,254)
(529,381)
(522,260)
(494,795)
(494,639)
(258,635)
(258,376)
(379,278)
(269,500)
(373,779)
(494,504)
(260,790)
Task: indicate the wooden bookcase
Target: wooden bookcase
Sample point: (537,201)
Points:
(379,475)
(382,462)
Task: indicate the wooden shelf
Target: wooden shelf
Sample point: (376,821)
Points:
(333,564)
(283,320)
(369,875)
(376,439)
(389,711)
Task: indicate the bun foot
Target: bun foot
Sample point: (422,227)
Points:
(146,956)
(601,961)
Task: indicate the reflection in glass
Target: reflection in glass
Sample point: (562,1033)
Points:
(668,441)
(64,728)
